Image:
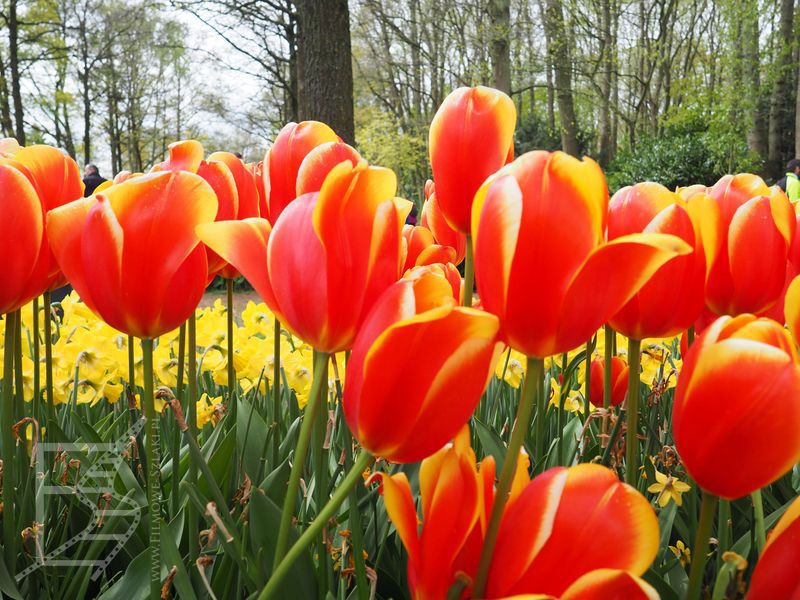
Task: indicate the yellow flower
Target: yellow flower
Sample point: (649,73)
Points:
(209,410)
(667,487)
(512,373)
(681,552)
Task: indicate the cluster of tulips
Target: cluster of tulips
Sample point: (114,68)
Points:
(321,236)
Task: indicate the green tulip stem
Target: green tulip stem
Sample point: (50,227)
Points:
(632,412)
(708,508)
(300,453)
(758,509)
(153,470)
(7,441)
(192,515)
(276,391)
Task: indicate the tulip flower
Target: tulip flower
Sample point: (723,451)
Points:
(319,162)
(776,574)
(543,268)
(132,253)
(422,249)
(742,213)
(188,155)
(320,269)
(21,226)
(736,417)
(327,259)
(543,523)
(416,327)
(451,496)
(446,270)
(471,136)
(619,381)
(57,180)
(673,298)
(283,160)
(433,219)
(539,225)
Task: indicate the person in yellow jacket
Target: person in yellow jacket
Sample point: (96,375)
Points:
(790,183)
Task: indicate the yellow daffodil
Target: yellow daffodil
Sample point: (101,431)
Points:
(666,486)
(681,552)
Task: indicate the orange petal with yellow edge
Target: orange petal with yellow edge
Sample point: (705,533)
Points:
(185,155)
(320,161)
(243,244)
(611,275)
(593,507)
(610,584)
(21,234)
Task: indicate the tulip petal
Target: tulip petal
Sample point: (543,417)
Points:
(57,176)
(496,224)
(244,245)
(245,185)
(64,230)
(400,507)
(594,507)
(102,242)
(757,283)
(320,161)
(610,584)
(527,524)
(185,155)
(22,230)
(611,275)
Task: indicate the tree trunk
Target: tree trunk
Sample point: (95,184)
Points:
(797,117)
(779,109)
(757,134)
(6,123)
(558,52)
(500,16)
(325,71)
(606,65)
(13,59)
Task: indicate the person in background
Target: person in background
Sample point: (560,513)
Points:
(91,179)
(790,183)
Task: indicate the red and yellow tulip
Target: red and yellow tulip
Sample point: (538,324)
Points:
(417,327)
(553,539)
(736,416)
(471,136)
(422,249)
(327,259)
(57,180)
(739,214)
(21,234)
(433,219)
(619,382)
(540,260)
(283,160)
(131,252)
(188,155)
(673,297)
